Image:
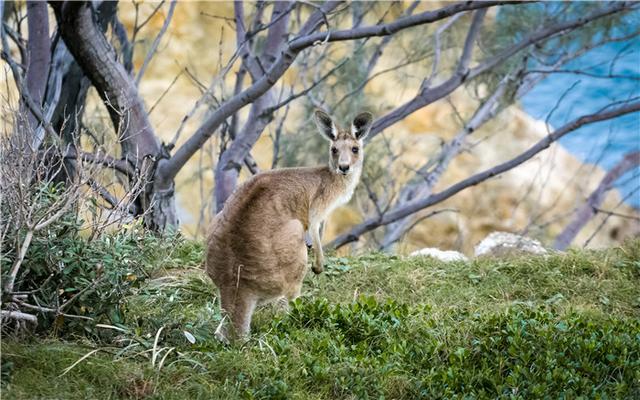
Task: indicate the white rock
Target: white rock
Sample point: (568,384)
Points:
(504,242)
(442,255)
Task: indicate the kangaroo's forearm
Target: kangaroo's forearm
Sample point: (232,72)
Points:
(317,250)
(318,265)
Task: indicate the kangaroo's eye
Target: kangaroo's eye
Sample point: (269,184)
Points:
(334,150)
(354,150)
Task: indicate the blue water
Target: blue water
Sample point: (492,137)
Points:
(603,143)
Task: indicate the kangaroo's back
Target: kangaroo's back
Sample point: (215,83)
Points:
(242,233)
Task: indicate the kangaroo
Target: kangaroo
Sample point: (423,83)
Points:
(256,245)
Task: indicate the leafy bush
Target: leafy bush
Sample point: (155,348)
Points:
(533,353)
(367,348)
(84,281)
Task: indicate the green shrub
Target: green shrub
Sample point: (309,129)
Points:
(88,279)
(368,348)
(533,353)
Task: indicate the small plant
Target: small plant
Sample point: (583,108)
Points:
(52,272)
(71,283)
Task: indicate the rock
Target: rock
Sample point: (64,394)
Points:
(442,255)
(500,243)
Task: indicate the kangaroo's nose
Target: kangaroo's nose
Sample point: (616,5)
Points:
(344,168)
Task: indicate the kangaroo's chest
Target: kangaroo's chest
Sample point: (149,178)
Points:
(334,200)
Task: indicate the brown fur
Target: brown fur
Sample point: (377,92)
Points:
(256,246)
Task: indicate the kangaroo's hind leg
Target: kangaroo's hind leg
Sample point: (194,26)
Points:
(292,257)
(300,266)
(238,305)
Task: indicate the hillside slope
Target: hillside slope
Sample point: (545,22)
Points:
(370,327)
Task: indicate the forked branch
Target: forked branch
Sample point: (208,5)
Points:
(304,39)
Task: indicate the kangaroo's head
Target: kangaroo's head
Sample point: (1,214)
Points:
(346,150)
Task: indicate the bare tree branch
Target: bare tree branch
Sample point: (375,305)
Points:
(306,90)
(590,207)
(469,43)
(427,96)
(617,214)
(419,204)
(169,168)
(104,193)
(379,50)
(395,26)
(585,73)
(102,159)
(19,315)
(18,41)
(428,178)
(437,49)
(138,27)
(532,79)
(126,47)
(156,42)
(164,93)
(609,215)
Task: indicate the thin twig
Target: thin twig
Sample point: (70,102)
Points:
(156,42)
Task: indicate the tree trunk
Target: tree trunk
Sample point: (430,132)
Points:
(67,89)
(38,61)
(140,146)
(232,159)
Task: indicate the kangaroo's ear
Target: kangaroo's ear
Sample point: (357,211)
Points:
(325,125)
(361,125)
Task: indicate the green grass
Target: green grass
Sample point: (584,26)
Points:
(374,326)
